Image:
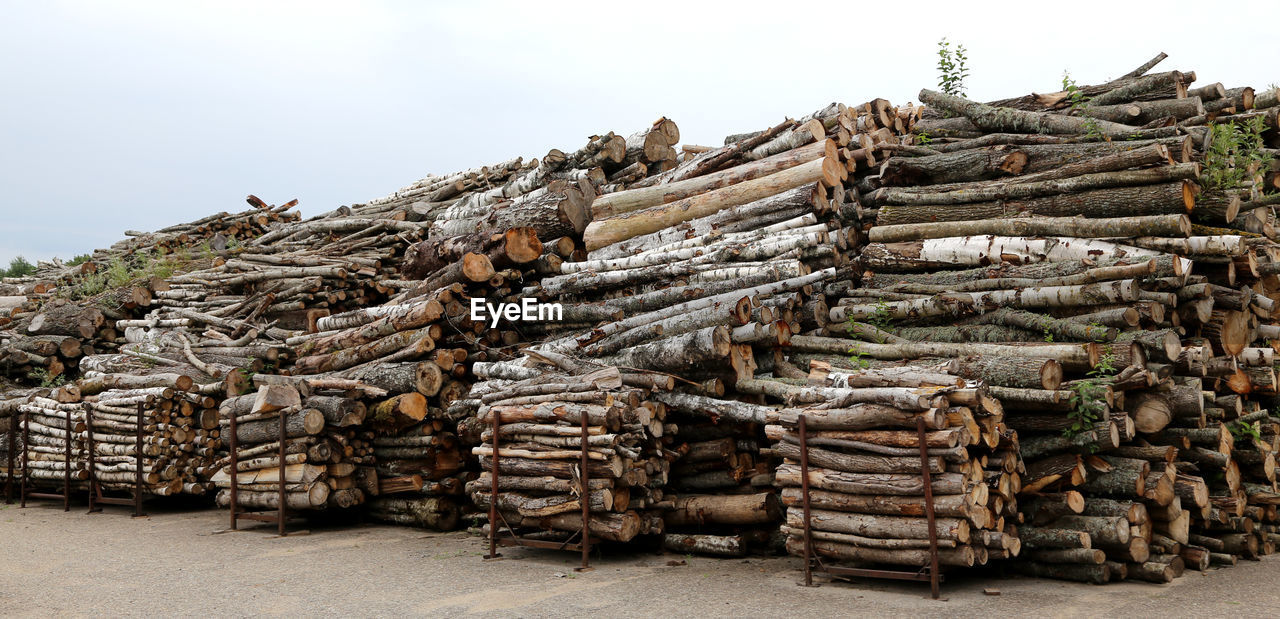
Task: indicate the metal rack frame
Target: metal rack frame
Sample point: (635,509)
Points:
(24,492)
(13,445)
(511,539)
(928,573)
(281,515)
(95,488)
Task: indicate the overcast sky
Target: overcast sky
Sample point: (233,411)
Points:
(137,115)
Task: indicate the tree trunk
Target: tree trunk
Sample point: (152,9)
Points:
(969,165)
(714,545)
(603,232)
(631,200)
(1174,198)
(738,510)
(1023,189)
(879,526)
(305,422)
(1151,225)
(1016,121)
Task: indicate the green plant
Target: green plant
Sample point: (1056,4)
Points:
(79,260)
(882,317)
(118,273)
(87,285)
(923,138)
(1079,106)
(1235,154)
(1088,395)
(18,267)
(1243,431)
(952,68)
(41,375)
(859,358)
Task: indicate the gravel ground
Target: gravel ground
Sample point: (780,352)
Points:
(55,563)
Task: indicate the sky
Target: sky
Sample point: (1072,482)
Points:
(136,115)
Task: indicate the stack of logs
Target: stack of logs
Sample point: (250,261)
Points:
(540,418)
(179,436)
(1121,305)
(328,452)
(1090,259)
(866,492)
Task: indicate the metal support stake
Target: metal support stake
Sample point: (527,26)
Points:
(66,472)
(13,446)
(234,465)
(493,491)
(26,437)
(137,474)
(928,507)
(586,501)
(93,465)
(280,513)
(804,493)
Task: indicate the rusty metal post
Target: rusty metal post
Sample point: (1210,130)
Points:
(804,493)
(280,513)
(493,496)
(66,472)
(137,474)
(234,465)
(13,445)
(93,465)
(586,500)
(26,436)
(927,480)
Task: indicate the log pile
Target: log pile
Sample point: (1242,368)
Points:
(866,491)
(179,436)
(1099,262)
(327,452)
(1119,303)
(540,418)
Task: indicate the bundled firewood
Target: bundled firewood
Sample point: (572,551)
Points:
(327,451)
(544,424)
(176,429)
(419,460)
(865,487)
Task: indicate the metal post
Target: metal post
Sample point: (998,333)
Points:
(804,493)
(234,464)
(66,472)
(137,475)
(93,467)
(26,437)
(928,507)
(493,496)
(280,513)
(586,500)
(13,445)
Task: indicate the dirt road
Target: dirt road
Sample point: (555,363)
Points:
(173,564)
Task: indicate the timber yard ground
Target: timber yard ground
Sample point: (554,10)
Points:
(173,564)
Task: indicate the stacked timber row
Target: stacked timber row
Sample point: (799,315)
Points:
(179,437)
(1114,291)
(703,272)
(328,454)
(539,417)
(721,488)
(419,459)
(865,478)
